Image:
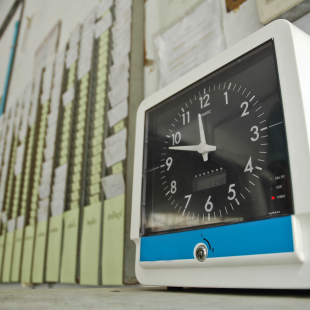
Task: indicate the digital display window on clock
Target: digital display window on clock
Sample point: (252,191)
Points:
(216,152)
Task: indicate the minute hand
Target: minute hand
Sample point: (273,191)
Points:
(195,148)
(201,131)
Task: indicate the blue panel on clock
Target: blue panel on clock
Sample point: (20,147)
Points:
(252,238)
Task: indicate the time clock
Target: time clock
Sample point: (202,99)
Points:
(220,172)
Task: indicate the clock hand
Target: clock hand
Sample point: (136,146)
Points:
(197,148)
(203,148)
(185,148)
(201,131)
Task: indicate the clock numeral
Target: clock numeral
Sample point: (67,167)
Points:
(231,190)
(188,197)
(169,161)
(206,103)
(255,129)
(173,187)
(209,205)
(226,97)
(249,166)
(245,112)
(176,138)
(184,118)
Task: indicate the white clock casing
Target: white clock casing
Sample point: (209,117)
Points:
(281,270)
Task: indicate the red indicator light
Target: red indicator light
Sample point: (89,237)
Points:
(273,197)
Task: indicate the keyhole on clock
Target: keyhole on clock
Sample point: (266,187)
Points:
(201,253)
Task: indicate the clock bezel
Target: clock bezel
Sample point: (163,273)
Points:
(206,82)
(291,47)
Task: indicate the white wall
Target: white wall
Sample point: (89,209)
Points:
(5,6)
(6,40)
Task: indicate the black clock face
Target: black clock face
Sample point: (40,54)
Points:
(216,152)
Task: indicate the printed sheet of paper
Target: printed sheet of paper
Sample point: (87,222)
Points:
(68,96)
(118,137)
(71,55)
(11,225)
(19,159)
(118,113)
(113,185)
(103,7)
(195,39)
(57,207)
(20,222)
(115,153)
(116,95)
(103,24)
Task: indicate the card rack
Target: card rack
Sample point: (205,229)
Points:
(76,167)
(29,199)
(11,200)
(67,111)
(28,177)
(51,140)
(51,135)
(6,181)
(98,127)
(90,248)
(63,156)
(37,129)
(11,180)
(20,170)
(41,208)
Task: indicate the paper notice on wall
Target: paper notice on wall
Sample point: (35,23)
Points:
(11,225)
(52,117)
(75,36)
(19,159)
(113,185)
(61,171)
(44,97)
(43,204)
(116,95)
(103,24)
(103,7)
(68,96)
(49,151)
(71,56)
(20,222)
(4,217)
(115,153)
(57,207)
(42,214)
(47,168)
(195,39)
(121,136)
(44,191)
(118,113)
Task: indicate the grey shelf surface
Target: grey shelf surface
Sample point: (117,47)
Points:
(141,297)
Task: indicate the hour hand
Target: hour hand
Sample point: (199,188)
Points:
(185,148)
